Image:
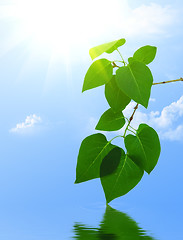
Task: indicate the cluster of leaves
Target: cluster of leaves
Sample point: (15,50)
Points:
(119,171)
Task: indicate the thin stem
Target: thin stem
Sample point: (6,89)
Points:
(121,57)
(131,131)
(114,138)
(126,118)
(133,128)
(118,61)
(131,118)
(176,80)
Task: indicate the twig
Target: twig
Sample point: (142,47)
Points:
(114,65)
(177,80)
(130,119)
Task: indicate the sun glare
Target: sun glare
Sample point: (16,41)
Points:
(62,24)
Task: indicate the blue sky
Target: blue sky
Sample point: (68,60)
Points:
(44,115)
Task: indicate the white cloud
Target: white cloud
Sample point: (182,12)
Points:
(28,125)
(150,19)
(173,134)
(165,122)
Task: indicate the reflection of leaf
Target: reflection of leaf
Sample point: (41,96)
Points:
(91,153)
(114,226)
(120,225)
(98,74)
(84,233)
(106,47)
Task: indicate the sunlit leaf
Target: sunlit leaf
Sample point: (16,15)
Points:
(99,73)
(135,80)
(115,97)
(106,47)
(91,153)
(126,177)
(144,148)
(111,121)
(145,54)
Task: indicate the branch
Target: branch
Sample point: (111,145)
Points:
(114,65)
(135,108)
(131,118)
(177,80)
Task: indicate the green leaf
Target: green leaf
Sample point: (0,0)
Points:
(99,73)
(130,60)
(91,153)
(135,80)
(110,162)
(116,99)
(111,121)
(144,148)
(106,47)
(126,177)
(145,54)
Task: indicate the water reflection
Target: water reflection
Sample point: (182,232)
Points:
(114,226)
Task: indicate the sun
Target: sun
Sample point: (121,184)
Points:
(50,23)
(59,24)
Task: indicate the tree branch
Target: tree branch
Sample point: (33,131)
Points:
(130,119)
(177,80)
(114,65)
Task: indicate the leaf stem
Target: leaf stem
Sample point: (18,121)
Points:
(131,131)
(133,128)
(121,57)
(114,138)
(118,61)
(176,80)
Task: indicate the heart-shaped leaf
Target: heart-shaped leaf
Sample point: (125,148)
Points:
(135,80)
(106,47)
(91,153)
(144,148)
(99,73)
(126,176)
(145,54)
(111,121)
(115,97)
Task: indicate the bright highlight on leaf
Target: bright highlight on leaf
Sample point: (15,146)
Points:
(119,172)
(99,73)
(106,47)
